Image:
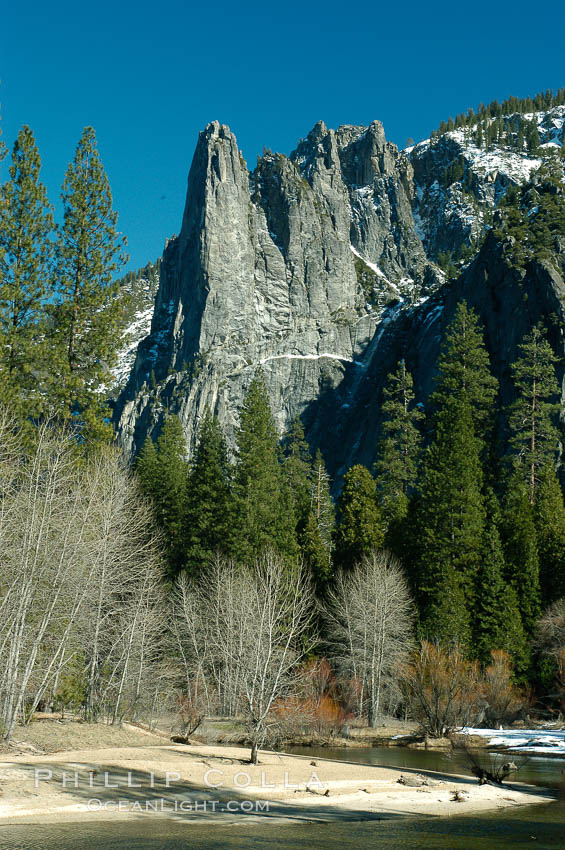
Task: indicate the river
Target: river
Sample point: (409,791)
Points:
(540,826)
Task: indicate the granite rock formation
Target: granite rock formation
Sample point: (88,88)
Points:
(318,269)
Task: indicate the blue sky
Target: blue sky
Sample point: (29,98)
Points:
(149,76)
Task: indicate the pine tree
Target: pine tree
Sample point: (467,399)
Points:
(209,520)
(173,475)
(497,619)
(534,437)
(520,139)
(163,472)
(297,469)
(399,449)
(316,554)
(26,225)
(464,370)
(520,552)
(147,468)
(532,137)
(449,512)
(360,530)
(321,502)
(550,535)
(264,506)
(449,526)
(86,314)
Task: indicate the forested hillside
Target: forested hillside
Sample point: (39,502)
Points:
(322,437)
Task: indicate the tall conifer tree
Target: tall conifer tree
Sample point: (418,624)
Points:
(450,513)
(162,470)
(449,526)
(399,448)
(534,437)
(210,507)
(86,315)
(316,555)
(264,507)
(297,469)
(520,551)
(26,226)
(550,534)
(360,529)
(321,502)
(147,468)
(172,484)
(464,371)
(496,615)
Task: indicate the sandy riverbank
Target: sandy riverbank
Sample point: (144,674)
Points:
(218,784)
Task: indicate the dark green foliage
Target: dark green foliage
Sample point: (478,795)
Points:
(496,615)
(449,525)
(449,516)
(445,260)
(322,511)
(297,469)
(307,483)
(520,551)
(162,470)
(532,137)
(531,219)
(210,509)
(550,535)
(147,468)
(86,314)
(360,528)
(464,371)
(26,225)
(534,437)
(171,505)
(316,553)
(264,505)
(490,117)
(399,448)
(454,172)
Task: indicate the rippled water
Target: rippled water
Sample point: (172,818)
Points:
(541,826)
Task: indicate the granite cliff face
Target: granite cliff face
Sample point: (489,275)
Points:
(290,268)
(314,268)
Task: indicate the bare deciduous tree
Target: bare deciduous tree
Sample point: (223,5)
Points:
(81,599)
(370,620)
(45,572)
(247,628)
(550,639)
(123,624)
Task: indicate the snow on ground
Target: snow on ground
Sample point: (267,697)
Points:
(516,166)
(538,741)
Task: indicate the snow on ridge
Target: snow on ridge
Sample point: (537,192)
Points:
(549,122)
(137,330)
(517,166)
